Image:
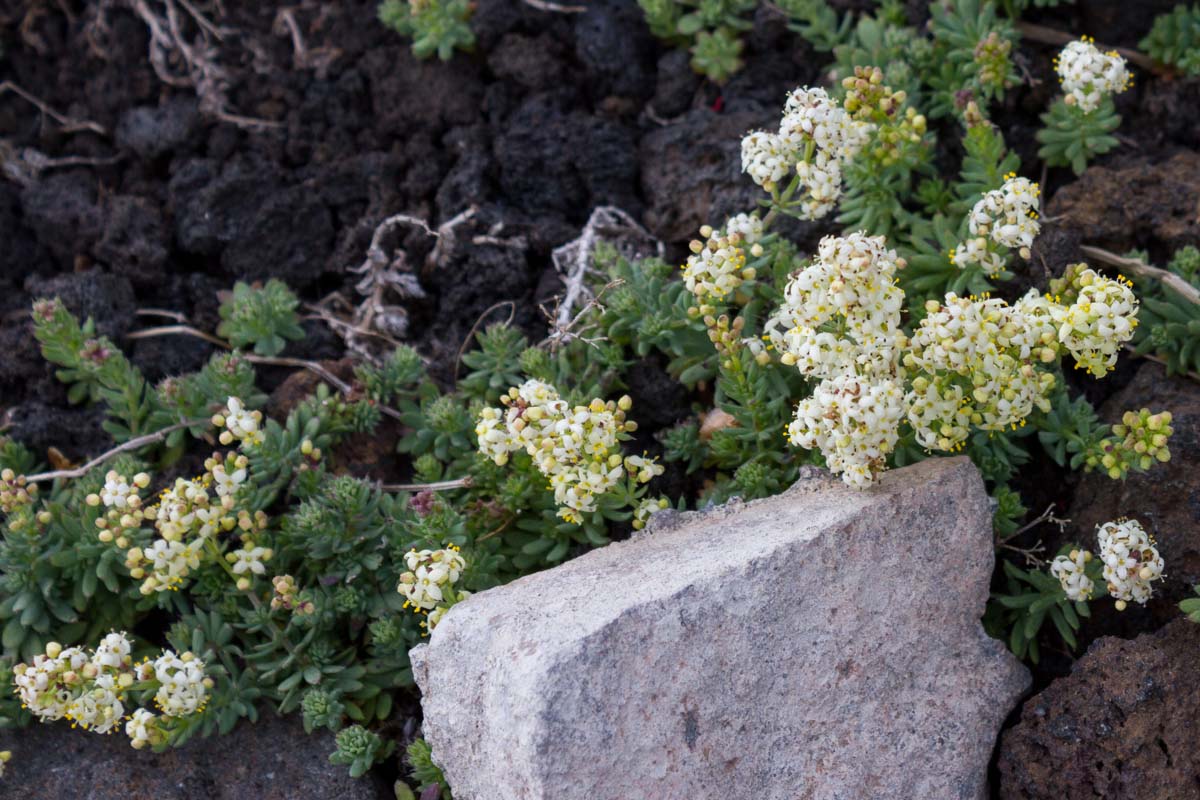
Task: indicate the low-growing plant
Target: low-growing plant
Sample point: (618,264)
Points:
(436,27)
(1079,125)
(260,317)
(709,29)
(1174,39)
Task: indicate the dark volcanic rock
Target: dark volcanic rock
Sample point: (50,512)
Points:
(135,239)
(271,760)
(1136,206)
(107,299)
(62,210)
(691,173)
(1122,726)
(153,131)
(557,160)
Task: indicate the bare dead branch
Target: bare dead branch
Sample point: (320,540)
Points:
(68,124)
(440,486)
(132,444)
(1166,277)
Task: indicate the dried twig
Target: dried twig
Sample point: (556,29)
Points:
(440,486)
(68,124)
(562,333)
(1151,357)
(318,59)
(24,165)
(168,46)
(573,260)
(274,361)
(1045,516)
(1040,33)
(132,444)
(462,348)
(1168,278)
(543,5)
(1031,554)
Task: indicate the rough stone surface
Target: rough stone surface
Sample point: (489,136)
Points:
(270,760)
(824,643)
(1122,726)
(1134,206)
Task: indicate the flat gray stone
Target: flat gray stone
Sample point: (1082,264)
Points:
(824,643)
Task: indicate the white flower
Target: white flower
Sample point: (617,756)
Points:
(748,226)
(842,313)
(1131,561)
(1070,571)
(766,158)
(250,560)
(815,137)
(646,509)
(1003,219)
(116,491)
(576,449)
(1088,75)
(715,268)
(142,729)
(112,652)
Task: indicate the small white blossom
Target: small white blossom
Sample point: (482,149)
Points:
(1070,571)
(142,729)
(249,560)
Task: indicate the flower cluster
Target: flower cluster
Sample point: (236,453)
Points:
(288,598)
(840,322)
(717,265)
(1088,75)
(815,137)
(14,491)
(978,363)
(1003,220)
(853,421)
(1131,561)
(576,448)
(91,689)
(1071,571)
(974,362)
(1139,440)
(122,501)
(429,584)
(1099,322)
(982,362)
(430,573)
(182,684)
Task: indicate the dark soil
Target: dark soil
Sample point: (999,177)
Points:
(552,115)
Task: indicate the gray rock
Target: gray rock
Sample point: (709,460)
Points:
(270,760)
(824,643)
